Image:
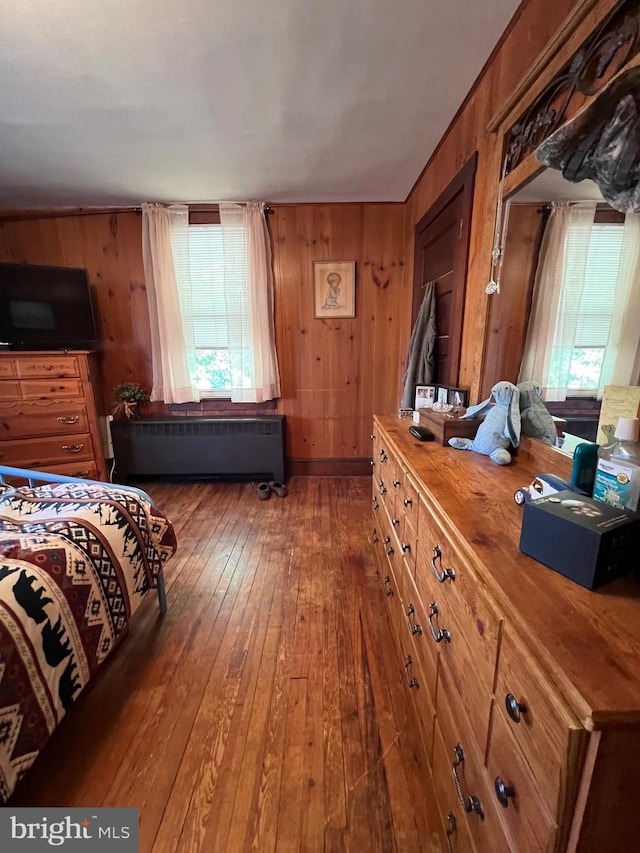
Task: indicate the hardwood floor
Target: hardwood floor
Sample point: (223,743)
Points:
(265,710)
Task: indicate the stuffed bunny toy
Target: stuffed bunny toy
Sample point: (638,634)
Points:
(500,428)
(536,418)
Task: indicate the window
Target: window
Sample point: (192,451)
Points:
(215,305)
(590,313)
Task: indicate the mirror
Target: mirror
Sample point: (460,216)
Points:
(590,54)
(510,311)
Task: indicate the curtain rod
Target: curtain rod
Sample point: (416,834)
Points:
(55,213)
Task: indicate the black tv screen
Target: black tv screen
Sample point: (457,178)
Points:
(46,308)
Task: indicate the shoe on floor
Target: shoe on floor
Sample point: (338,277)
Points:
(264,491)
(279,488)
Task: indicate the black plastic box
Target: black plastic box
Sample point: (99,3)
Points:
(585,540)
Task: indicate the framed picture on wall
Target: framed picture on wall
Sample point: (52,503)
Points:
(334,289)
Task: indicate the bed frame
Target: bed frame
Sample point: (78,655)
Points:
(35,478)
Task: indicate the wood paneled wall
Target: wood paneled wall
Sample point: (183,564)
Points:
(335,373)
(109,247)
(536,23)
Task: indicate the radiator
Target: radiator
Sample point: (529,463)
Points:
(222,447)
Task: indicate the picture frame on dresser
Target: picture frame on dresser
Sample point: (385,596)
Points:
(458,397)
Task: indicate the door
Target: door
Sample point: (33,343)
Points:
(441,255)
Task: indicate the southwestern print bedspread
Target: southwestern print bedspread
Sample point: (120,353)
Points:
(75,563)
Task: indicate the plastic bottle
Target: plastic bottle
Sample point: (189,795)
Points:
(618,476)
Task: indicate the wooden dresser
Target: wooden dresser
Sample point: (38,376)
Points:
(525,687)
(48,418)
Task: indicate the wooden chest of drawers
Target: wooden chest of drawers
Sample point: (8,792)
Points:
(48,417)
(524,687)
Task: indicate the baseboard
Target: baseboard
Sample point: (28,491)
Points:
(356,467)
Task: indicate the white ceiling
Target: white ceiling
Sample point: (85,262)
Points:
(122,101)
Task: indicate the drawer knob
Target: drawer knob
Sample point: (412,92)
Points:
(444,574)
(396,483)
(407,501)
(414,627)
(372,463)
(68,419)
(514,708)
(48,367)
(411,681)
(73,448)
(372,436)
(395,521)
(404,547)
(470,804)
(375,503)
(503,792)
(383,456)
(374,536)
(438,634)
(382,488)
(387,582)
(390,551)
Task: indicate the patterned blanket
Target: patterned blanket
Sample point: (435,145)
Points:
(75,563)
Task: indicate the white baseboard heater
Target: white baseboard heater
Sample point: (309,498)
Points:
(252,448)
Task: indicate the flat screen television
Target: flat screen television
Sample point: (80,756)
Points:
(46,308)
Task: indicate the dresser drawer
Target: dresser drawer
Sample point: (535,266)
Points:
(45,389)
(483,821)
(454,820)
(7,368)
(410,500)
(550,738)
(526,816)
(38,452)
(26,419)
(408,544)
(46,366)
(461,623)
(416,628)
(85,470)
(417,683)
(10,390)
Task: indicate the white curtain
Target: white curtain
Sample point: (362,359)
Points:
(552,325)
(165,252)
(623,348)
(250,315)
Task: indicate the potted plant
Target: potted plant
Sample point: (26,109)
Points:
(128,396)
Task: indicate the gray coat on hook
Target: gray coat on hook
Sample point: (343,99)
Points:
(421,358)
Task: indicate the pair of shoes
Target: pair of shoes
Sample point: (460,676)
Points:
(279,488)
(264,491)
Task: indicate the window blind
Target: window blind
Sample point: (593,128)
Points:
(594,310)
(218,301)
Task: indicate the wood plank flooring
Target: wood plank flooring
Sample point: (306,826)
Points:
(265,711)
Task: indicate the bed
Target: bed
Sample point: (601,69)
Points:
(77,559)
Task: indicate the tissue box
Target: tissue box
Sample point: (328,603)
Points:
(445,426)
(583,539)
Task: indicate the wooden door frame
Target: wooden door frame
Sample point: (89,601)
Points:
(463,182)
